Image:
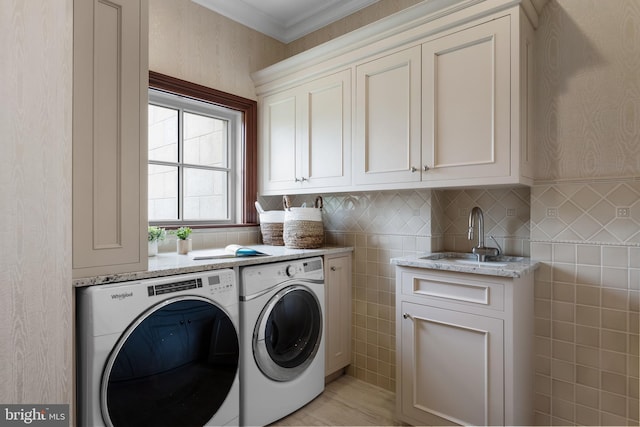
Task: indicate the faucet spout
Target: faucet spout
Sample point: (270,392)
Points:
(480,250)
(476,212)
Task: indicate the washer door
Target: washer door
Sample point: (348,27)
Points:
(174,366)
(288,333)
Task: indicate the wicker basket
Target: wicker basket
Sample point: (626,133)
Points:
(303,227)
(271,226)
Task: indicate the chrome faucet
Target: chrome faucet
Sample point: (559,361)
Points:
(481,250)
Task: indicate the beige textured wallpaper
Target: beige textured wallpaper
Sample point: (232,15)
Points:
(192,43)
(359,19)
(35,202)
(585,214)
(588,112)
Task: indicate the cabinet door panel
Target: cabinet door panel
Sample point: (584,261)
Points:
(388,118)
(452,366)
(109,136)
(466,111)
(337,312)
(328,152)
(280,133)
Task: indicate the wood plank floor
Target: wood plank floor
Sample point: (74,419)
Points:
(346,401)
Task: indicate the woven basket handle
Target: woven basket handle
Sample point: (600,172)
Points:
(286,202)
(319,202)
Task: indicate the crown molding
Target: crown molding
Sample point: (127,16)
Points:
(321,15)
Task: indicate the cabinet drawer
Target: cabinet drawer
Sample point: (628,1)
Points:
(454,287)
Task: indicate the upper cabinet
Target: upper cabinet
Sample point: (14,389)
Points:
(387,129)
(305,136)
(466,106)
(441,98)
(110,80)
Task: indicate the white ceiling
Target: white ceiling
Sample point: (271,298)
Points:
(285,20)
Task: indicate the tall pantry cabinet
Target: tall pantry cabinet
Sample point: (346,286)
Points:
(110,84)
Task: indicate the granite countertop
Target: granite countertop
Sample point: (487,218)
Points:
(169,264)
(504,266)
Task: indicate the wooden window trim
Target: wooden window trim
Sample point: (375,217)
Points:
(249,110)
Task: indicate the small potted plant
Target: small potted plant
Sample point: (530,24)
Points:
(183,241)
(154,235)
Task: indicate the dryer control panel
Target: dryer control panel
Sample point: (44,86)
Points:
(257,278)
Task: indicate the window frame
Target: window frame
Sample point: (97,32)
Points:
(248,138)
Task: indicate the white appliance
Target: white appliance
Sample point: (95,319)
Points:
(159,352)
(282,339)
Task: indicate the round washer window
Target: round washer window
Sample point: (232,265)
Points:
(288,333)
(174,366)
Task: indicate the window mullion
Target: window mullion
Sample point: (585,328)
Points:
(181,165)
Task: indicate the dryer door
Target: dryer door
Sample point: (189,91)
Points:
(288,333)
(174,366)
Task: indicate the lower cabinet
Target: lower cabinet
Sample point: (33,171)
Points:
(464,345)
(337,312)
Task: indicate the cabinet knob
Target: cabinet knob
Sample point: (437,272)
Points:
(304,179)
(407,316)
(426,168)
(333,269)
(413,169)
(296,179)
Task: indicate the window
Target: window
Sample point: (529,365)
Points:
(201,155)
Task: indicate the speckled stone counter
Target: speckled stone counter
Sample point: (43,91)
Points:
(169,264)
(467,263)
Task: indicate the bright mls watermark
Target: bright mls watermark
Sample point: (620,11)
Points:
(34,415)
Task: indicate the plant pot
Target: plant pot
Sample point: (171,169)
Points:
(183,246)
(153,248)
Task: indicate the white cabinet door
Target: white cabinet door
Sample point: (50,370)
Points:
(306,136)
(110,75)
(466,93)
(387,128)
(451,366)
(280,141)
(337,312)
(326,155)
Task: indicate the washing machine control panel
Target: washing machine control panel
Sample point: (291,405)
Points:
(221,283)
(215,284)
(303,267)
(257,278)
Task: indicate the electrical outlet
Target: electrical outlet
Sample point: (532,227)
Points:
(552,212)
(622,212)
(511,212)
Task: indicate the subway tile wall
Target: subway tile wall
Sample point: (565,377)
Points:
(587,298)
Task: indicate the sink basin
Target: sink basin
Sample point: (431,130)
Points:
(471,259)
(480,263)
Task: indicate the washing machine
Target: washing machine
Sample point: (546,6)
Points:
(282,339)
(159,352)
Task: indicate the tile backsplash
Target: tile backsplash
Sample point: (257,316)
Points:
(587,298)
(381,225)
(587,289)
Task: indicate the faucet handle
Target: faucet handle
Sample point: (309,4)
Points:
(498,244)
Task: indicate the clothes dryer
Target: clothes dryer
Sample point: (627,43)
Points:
(282,338)
(159,352)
